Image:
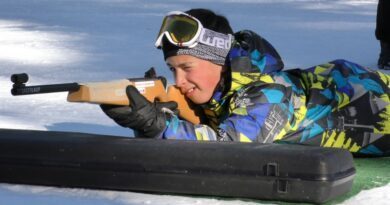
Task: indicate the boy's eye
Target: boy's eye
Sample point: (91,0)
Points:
(186,68)
(172,69)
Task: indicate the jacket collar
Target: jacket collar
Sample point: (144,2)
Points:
(250,59)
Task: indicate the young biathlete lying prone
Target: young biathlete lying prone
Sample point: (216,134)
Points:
(237,79)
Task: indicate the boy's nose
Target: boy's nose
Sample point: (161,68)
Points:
(179,78)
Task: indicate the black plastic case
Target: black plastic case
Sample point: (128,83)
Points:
(243,170)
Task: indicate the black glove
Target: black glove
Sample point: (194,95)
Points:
(145,117)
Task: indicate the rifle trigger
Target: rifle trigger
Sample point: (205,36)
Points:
(151,73)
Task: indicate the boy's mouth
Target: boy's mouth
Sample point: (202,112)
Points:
(189,92)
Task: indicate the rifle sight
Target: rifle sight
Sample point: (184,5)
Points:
(20,78)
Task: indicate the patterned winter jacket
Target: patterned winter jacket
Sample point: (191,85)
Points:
(337,104)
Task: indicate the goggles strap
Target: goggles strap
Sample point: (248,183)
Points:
(215,39)
(210,53)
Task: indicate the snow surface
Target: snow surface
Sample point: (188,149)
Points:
(99,40)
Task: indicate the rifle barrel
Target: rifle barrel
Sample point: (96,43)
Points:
(38,89)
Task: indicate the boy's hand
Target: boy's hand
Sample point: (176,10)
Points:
(145,117)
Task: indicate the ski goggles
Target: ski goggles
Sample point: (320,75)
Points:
(184,30)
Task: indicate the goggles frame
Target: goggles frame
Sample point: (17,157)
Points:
(202,35)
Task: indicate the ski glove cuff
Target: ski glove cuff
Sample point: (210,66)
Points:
(146,118)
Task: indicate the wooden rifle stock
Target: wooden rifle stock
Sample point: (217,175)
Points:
(114,93)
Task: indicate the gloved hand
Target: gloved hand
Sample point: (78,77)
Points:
(147,118)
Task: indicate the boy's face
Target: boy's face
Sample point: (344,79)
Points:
(196,78)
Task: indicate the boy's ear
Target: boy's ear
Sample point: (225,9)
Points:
(224,69)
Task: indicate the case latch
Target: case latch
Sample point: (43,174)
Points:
(272,169)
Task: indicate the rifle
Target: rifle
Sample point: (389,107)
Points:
(114,92)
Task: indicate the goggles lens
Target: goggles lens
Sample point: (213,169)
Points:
(180,29)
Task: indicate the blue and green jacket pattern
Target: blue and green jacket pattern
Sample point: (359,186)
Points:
(337,104)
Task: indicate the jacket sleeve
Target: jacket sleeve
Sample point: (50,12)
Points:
(181,129)
(261,114)
(264,123)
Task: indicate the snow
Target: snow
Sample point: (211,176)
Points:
(99,40)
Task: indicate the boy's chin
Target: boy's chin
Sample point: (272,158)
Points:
(198,101)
